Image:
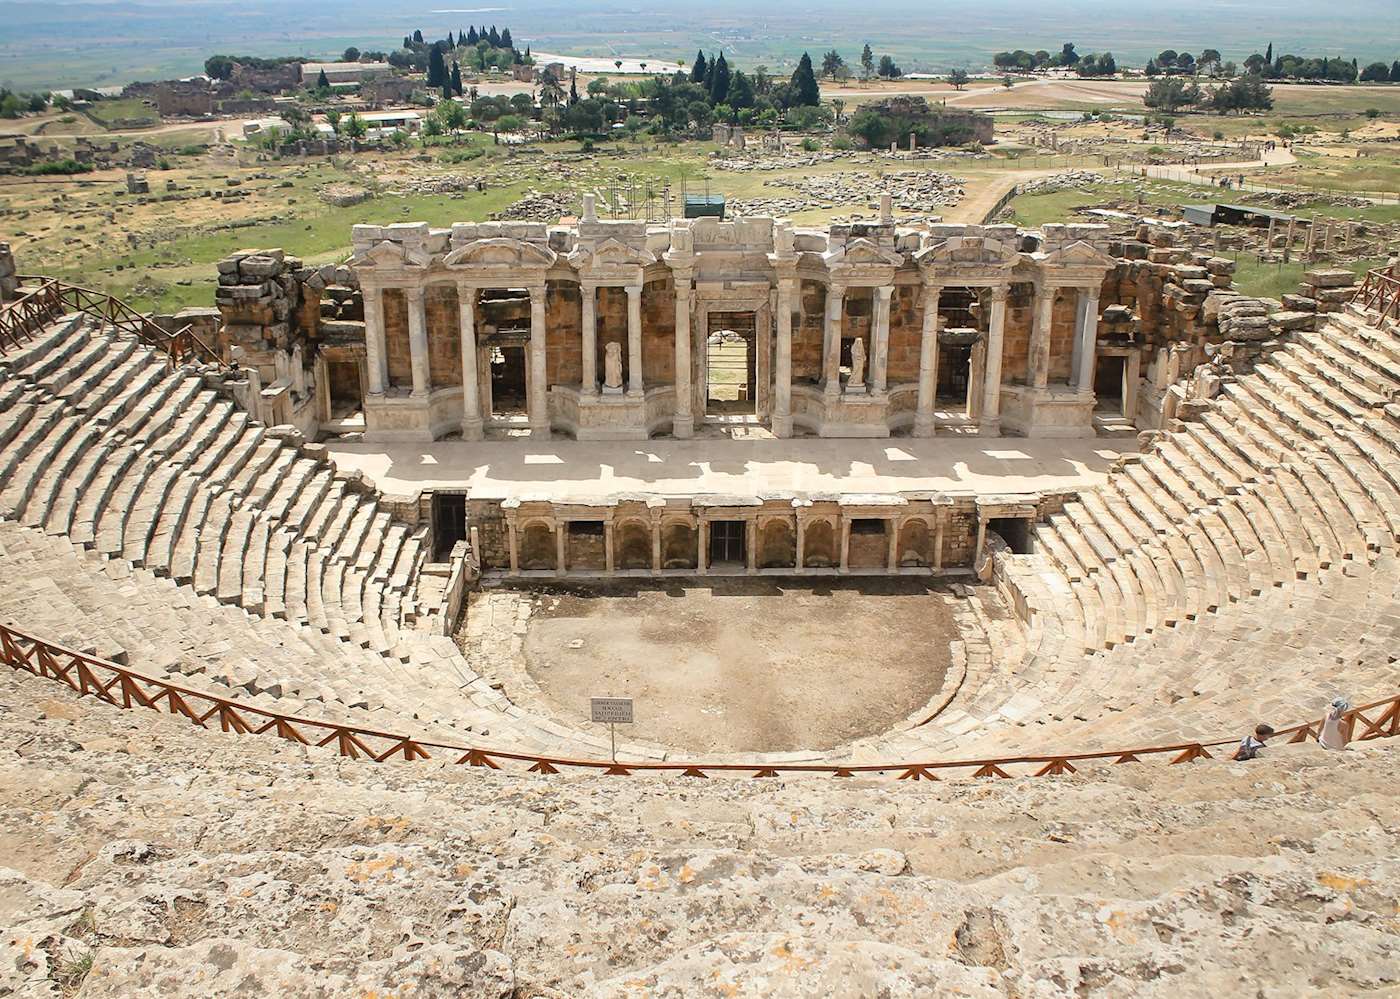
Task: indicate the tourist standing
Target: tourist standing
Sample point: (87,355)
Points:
(1334,725)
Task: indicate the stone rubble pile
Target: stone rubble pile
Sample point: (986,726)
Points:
(1329,289)
(344,195)
(914,191)
(1070,180)
(537,206)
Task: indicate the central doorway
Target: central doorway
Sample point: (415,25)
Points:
(731,365)
(727,545)
(508,372)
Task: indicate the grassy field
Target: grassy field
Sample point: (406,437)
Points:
(1271,279)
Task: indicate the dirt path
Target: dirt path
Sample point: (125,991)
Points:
(974,209)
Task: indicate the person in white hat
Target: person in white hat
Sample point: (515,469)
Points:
(1334,725)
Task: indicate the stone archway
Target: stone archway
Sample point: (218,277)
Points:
(777,545)
(819,545)
(915,544)
(538,549)
(678,547)
(633,542)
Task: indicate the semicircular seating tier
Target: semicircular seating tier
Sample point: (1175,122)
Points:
(1243,566)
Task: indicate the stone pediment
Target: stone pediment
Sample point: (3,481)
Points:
(1078,254)
(862,253)
(500,254)
(968,253)
(610,253)
(388,255)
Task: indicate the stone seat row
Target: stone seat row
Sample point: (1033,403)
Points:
(99,443)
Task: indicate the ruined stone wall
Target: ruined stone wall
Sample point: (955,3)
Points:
(659,332)
(906,333)
(808,332)
(564,339)
(960,535)
(444,319)
(9,282)
(396,353)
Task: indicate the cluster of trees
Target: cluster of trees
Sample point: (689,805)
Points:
(1379,72)
(1040,59)
(14,103)
(1246,93)
(881,126)
(737,90)
(479,48)
(220,67)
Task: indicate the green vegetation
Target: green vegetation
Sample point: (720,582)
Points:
(1272,279)
(55,167)
(127,112)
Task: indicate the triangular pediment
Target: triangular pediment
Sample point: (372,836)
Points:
(500,252)
(1079,254)
(388,254)
(610,253)
(863,252)
(964,251)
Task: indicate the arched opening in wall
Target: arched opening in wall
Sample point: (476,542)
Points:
(869,543)
(537,547)
(777,545)
(960,329)
(915,545)
(678,547)
(731,364)
(633,545)
(1015,531)
(585,546)
(819,545)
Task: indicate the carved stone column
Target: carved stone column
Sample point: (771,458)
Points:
(892,560)
(514,546)
(989,420)
(782,377)
(1088,342)
(655,545)
(589,383)
(880,345)
(561,548)
(418,341)
(374,338)
(928,364)
(609,559)
(845,544)
(702,547)
(831,359)
(471,403)
(682,423)
(1077,343)
(634,339)
(751,546)
(1039,359)
(538,394)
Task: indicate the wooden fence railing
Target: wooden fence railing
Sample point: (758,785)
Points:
(1380,293)
(125,688)
(22,319)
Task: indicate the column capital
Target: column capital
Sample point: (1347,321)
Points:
(633,289)
(1000,292)
(413,292)
(835,288)
(467,284)
(934,285)
(885,291)
(536,289)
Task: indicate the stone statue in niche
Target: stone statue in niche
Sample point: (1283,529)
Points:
(612,368)
(857,381)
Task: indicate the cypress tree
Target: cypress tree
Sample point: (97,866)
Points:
(417,37)
(494,38)
(506,41)
(471,37)
(437,69)
(456,78)
(804,82)
(1269,54)
(321,82)
(450,43)
(1395,71)
(719,80)
(700,69)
